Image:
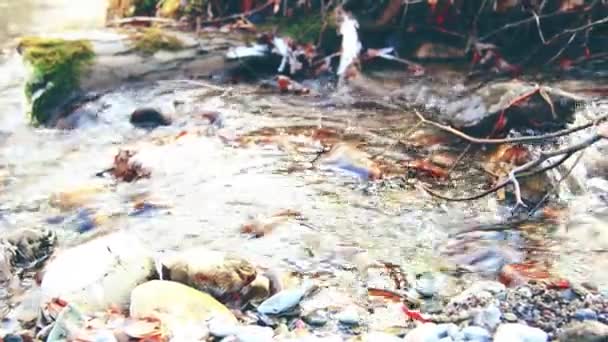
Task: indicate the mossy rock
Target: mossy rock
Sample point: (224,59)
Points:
(151,40)
(56,65)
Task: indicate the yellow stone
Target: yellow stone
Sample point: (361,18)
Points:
(171,300)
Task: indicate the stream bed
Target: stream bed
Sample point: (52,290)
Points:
(206,184)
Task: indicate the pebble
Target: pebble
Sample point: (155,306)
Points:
(488,317)
(283,302)
(525,291)
(450,330)
(427,332)
(510,317)
(586,331)
(585,314)
(349,316)
(219,327)
(431,306)
(254,333)
(148,117)
(380,336)
(477,334)
(12,338)
(480,289)
(317,318)
(428,284)
(515,332)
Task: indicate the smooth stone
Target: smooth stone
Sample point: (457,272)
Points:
(177,301)
(148,117)
(568,294)
(449,330)
(349,316)
(515,332)
(379,336)
(214,272)
(98,273)
(427,332)
(12,338)
(431,306)
(254,333)
(317,318)
(525,292)
(478,334)
(488,318)
(428,284)
(283,302)
(585,314)
(586,331)
(219,327)
(481,289)
(511,317)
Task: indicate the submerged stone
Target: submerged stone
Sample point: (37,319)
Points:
(180,303)
(148,117)
(216,273)
(283,302)
(99,273)
(515,332)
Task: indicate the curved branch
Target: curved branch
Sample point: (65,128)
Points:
(524,139)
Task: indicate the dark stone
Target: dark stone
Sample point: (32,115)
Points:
(585,314)
(148,118)
(12,338)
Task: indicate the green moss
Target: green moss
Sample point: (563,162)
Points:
(56,66)
(151,40)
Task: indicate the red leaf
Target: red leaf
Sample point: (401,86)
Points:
(283,82)
(428,168)
(414,315)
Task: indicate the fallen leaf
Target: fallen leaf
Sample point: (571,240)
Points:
(427,168)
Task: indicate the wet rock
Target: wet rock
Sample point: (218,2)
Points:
(285,301)
(317,318)
(488,317)
(431,306)
(484,289)
(426,332)
(587,331)
(148,118)
(514,332)
(214,272)
(379,336)
(478,334)
(221,327)
(98,273)
(12,338)
(428,284)
(162,299)
(254,333)
(585,314)
(510,317)
(349,316)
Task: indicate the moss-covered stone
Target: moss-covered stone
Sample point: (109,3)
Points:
(56,66)
(151,40)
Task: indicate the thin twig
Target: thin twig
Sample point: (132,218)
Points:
(555,186)
(525,170)
(524,139)
(559,53)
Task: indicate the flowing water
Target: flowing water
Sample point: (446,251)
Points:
(211,188)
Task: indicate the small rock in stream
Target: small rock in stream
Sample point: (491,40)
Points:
(427,332)
(587,331)
(214,272)
(98,273)
(177,301)
(148,118)
(254,333)
(515,332)
(488,317)
(285,301)
(316,318)
(349,316)
(585,314)
(477,334)
(428,284)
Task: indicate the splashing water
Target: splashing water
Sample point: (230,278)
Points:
(351,46)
